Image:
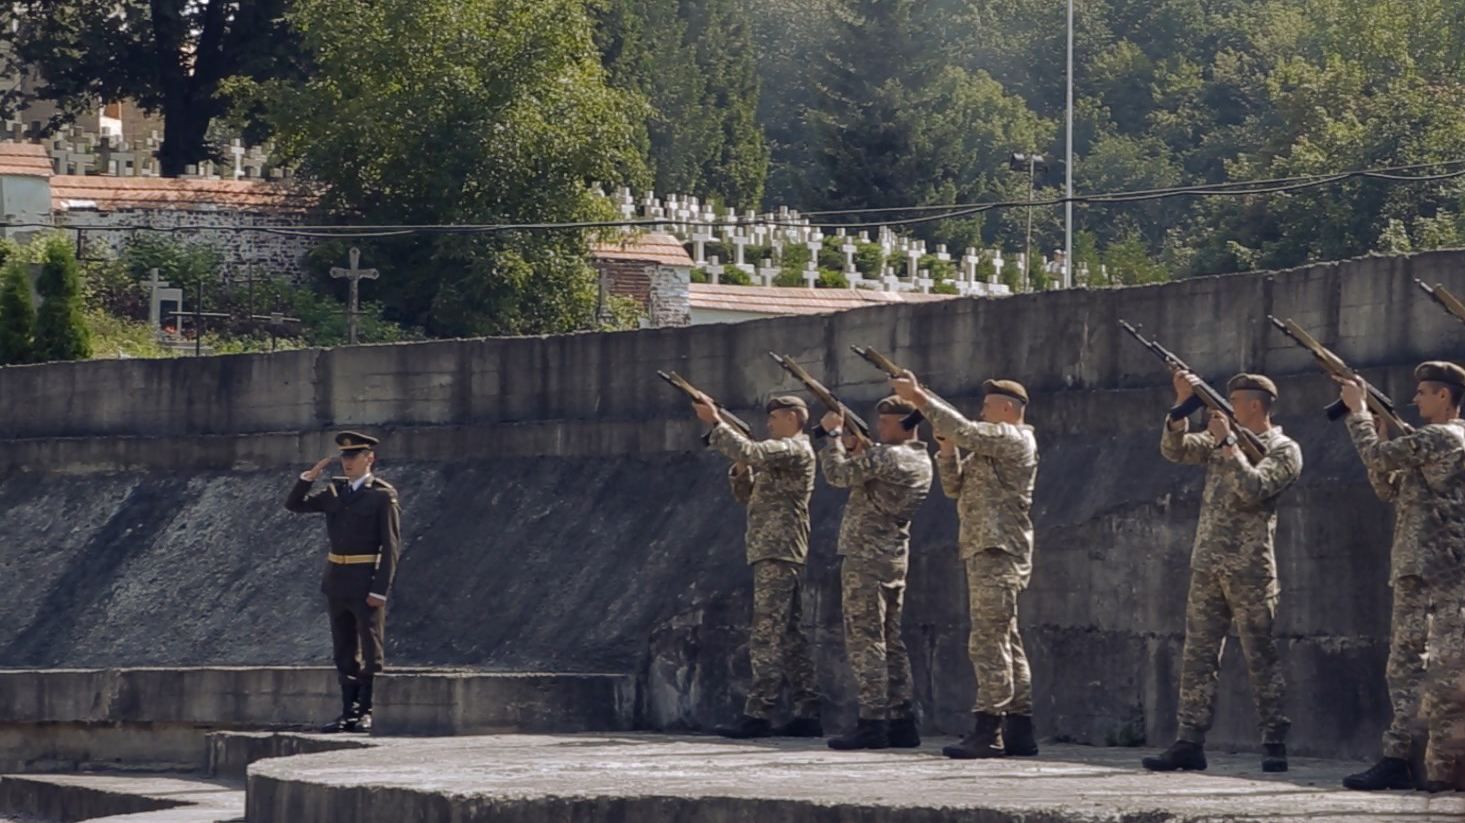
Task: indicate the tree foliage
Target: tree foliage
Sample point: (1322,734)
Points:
(170,56)
(17,312)
(461,111)
(61,326)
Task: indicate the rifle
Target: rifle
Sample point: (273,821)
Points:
(1447,301)
(1250,444)
(857,426)
(699,396)
(1378,402)
(889,366)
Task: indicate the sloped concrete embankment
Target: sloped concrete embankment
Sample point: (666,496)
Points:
(559,515)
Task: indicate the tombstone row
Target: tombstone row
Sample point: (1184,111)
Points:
(76,151)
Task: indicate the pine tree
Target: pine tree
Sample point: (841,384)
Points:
(693,63)
(17,315)
(61,330)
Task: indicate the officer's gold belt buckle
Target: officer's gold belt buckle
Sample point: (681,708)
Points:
(351,559)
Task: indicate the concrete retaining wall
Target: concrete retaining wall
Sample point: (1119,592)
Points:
(560,514)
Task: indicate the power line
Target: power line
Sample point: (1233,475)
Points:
(929,213)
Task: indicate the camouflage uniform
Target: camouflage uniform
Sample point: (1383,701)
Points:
(1233,577)
(993,488)
(776,490)
(888,483)
(1423,474)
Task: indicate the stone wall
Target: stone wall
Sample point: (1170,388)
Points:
(560,513)
(663,292)
(265,253)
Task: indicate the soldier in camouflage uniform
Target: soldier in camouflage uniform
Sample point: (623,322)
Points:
(1423,474)
(774,478)
(1233,577)
(888,481)
(993,486)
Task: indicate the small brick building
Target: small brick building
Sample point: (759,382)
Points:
(652,269)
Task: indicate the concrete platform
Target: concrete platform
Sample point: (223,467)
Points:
(63,798)
(594,778)
(159,718)
(231,753)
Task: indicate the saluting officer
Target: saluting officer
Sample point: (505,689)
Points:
(363,522)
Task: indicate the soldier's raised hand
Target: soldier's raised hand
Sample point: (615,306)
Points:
(832,421)
(706,412)
(1219,426)
(943,444)
(313,472)
(1184,383)
(907,388)
(1352,394)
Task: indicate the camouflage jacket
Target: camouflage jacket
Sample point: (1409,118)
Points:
(1238,509)
(887,485)
(776,490)
(1423,474)
(992,483)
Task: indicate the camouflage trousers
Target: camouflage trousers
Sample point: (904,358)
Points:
(1004,681)
(777,647)
(1444,687)
(873,596)
(1405,672)
(1216,602)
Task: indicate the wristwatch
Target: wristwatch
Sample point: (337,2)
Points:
(1229,441)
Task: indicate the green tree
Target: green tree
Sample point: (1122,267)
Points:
(61,325)
(17,314)
(462,111)
(170,56)
(692,62)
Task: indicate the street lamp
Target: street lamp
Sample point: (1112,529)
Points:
(1031,163)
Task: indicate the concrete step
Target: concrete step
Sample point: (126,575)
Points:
(69,719)
(62,798)
(616,778)
(230,753)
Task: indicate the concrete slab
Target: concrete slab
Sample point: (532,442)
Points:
(593,778)
(456,703)
(117,798)
(231,753)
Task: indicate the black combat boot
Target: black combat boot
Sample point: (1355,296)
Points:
(1388,773)
(350,691)
(984,741)
(800,727)
(1182,755)
(1274,757)
(903,734)
(746,728)
(363,707)
(868,734)
(1437,786)
(1017,736)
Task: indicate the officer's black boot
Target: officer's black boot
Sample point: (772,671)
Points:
(903,734)
(1274,757)
(1017,736)
(1182,755)
(801,727)
(984,741)
(868,734)
(1388,773)
(363,707)
(350,691)
(746,728)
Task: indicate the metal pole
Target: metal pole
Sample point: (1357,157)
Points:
(1068,166)
(1027,253)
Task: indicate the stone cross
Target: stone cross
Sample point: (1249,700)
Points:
(740,240)
(924,281)
(969,262)
(811,274)
(237,149)
(158,294)
(849,249)
(767,271)
(714,269)
(701,236)
(354,274)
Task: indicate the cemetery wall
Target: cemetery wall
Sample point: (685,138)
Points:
(560,514)
(265,253)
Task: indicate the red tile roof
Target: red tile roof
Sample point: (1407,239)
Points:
(110,193)
(651,248)
(24,159)
(779,300)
